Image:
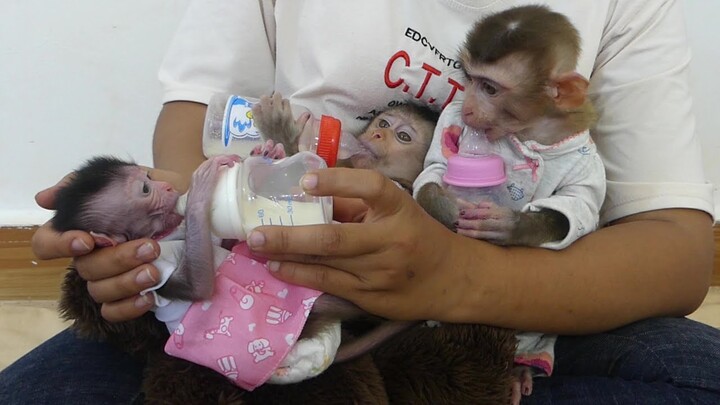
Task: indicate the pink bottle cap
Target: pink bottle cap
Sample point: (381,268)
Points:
(477,171)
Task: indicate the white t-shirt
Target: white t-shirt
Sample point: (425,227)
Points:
(352,59)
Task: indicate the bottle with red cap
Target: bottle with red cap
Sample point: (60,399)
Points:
(324,136)
(230,129)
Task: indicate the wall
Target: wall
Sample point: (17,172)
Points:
(78,78)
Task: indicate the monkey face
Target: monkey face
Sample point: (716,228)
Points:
(502,98)
(396,143)
(148,205)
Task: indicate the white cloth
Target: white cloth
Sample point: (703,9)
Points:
(352,59)
(567,177)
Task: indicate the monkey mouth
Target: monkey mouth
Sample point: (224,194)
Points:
(169,222)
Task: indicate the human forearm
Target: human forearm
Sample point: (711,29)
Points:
(177,143)
(652,264)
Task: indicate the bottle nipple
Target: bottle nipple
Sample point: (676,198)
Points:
(474,143)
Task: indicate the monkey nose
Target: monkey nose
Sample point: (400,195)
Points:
(377,135)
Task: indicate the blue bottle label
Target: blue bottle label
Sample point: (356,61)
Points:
(239,122)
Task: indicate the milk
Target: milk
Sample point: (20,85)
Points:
(260,211)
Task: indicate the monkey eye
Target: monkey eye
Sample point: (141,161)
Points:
(146,188)
(383,123)
(488,88)
(403,137)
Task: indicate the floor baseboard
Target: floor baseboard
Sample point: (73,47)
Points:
(24,277)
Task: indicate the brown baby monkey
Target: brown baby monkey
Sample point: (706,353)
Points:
(394,143)
(523,87)
(526,99)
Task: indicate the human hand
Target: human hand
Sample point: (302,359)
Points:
(390,264)
(116,274)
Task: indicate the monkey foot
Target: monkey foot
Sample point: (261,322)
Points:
(522,384)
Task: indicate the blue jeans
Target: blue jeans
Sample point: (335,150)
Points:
(657,361)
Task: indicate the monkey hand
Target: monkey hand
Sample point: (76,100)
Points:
(269,149)
(522,383)
(205,179)
(438,204)
(487,221)
(273,117)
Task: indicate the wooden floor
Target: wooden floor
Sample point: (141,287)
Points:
(24,277)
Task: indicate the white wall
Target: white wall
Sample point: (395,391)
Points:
(703,17)
(78,78)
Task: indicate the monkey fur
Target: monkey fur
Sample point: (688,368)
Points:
(512,39)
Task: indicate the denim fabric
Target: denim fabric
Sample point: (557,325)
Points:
(68,370)
(657,361)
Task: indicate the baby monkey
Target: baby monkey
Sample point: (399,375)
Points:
(117,201)
(395,142)
(526,98)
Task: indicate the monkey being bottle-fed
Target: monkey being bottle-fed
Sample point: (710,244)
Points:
(325,137)
(261,191)
(475,174)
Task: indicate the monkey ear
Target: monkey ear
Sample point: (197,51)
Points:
(569,90)
(103,240)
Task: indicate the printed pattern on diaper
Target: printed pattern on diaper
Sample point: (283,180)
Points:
(248,326)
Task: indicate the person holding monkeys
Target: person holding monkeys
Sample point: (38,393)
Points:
(616,297)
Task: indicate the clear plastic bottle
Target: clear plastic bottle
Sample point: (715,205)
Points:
(229,126)
(261,191)
(230,129)
(325,137)
(475,174)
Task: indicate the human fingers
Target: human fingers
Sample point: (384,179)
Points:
(126,309)
(48,243)
(318,240)
(46,198)
(116,260)
(349,209)
(124,285)
(376,190)
(323,278)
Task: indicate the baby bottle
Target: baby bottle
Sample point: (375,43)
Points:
(230,129)
(229,126)
(475,174)
(261,191)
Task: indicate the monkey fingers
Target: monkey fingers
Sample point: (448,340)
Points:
(496,237)
(270,150)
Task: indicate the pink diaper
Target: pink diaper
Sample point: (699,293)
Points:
(248,326)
